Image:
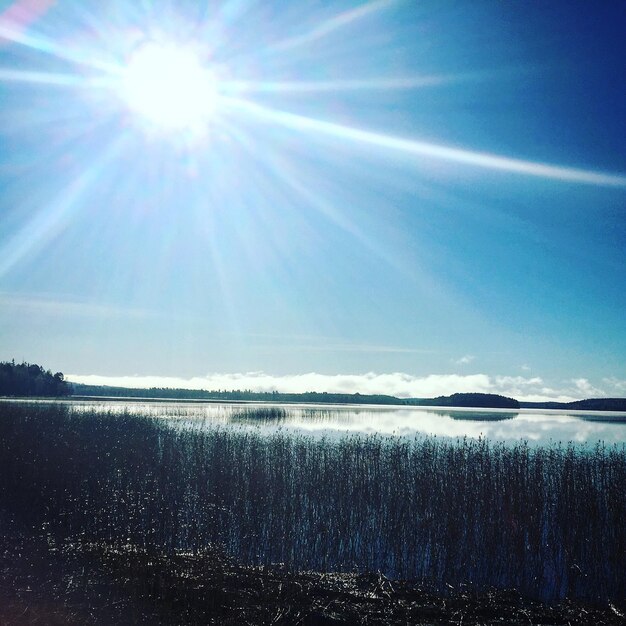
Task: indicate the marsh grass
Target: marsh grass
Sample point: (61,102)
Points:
(547,521)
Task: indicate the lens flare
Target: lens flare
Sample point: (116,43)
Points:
(169,87)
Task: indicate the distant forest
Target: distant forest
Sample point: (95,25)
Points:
(241,395)
(462,400)
(479,400)
(28,379)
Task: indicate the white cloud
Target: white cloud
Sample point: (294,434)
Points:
(616,386)
(587,389)
(464,360)
(397,384)
(515,381)
(525,367)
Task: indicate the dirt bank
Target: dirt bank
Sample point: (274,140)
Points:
(43,583)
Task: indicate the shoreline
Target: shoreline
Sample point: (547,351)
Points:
(71,584)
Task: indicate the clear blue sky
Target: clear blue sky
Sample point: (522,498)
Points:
(427,188)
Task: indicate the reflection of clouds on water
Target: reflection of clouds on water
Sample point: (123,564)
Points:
(536,427)
(539,428)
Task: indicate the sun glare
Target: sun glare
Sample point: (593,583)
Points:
(168,86)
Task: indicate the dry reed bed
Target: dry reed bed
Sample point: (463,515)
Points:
(546,521)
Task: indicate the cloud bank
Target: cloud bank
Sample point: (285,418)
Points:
(396,384)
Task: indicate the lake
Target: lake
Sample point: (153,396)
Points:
(537,427)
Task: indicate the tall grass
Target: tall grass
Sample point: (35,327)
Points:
(548,521)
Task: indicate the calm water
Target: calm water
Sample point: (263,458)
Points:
(533,426)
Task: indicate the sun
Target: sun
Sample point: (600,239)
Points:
(168,86)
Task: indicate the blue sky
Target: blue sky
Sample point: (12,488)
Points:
(389,196)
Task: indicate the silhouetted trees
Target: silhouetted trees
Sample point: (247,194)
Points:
(479,400)
(465,400)
(28,379)
(245,395)
(590,404)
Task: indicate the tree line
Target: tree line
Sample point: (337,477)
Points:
(29,379)
(482,400)
(242,395)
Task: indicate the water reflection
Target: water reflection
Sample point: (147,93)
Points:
(482,416)
(536,427)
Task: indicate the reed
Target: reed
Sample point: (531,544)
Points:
(548,521)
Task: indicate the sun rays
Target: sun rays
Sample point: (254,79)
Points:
(168,84)
(412,147)
(46,224)
(175,89)
(328,26)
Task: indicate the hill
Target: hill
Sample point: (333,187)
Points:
(590,404)
(470,400)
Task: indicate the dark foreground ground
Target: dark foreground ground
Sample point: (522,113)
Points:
(42,583)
